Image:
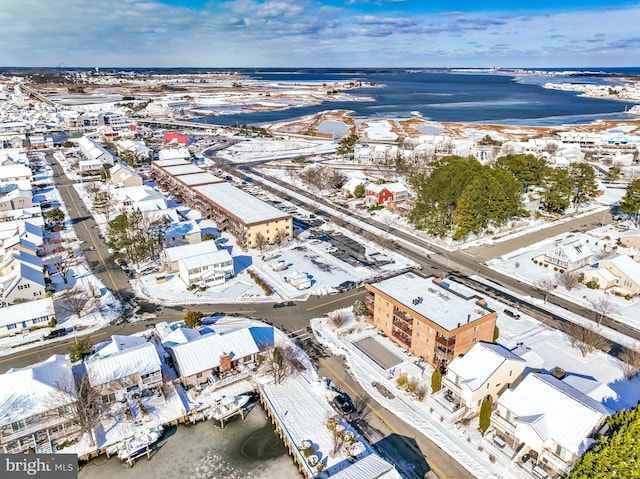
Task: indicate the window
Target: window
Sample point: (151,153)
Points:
(560,451)
(18,425)
(417,334)
(487,385)
(474,340)
(475,329)
(198,375)
(510,372)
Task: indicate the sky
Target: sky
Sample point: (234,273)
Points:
(316,33)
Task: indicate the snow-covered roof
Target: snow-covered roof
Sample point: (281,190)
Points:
(141,359)
(204,353)
(118,343)
(181,228)
(30,391)
(392,187)
(243,206)
(555,410)
(180,336)
(369,467)
(202,178)
(214,257)
(174,153)
(26,311)
(624,263)
(574,249)
(482,360)
(188,169)
(592,388)
(170,162)
(14,171)
(177,253)
(439,304)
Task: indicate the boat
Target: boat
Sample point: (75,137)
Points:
(415,113)
(139,444)
(634,110)
(228,406)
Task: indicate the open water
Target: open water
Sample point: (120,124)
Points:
(497,98)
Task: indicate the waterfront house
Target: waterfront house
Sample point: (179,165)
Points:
(432,318)
(36,407)
(485,371)
(547,420)
(214,356)
(124,367)
(20,317)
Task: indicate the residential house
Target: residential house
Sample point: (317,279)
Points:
(122,176)
(90,167)
(36,407)
(20,317)
(631,239)
(14,198)
(385,193)
(141,198)
(485,371)
(569,254)
(182,233)
(21,175)
(92,150)
(136,148)
(175,138)
(211,357)
(349,187)
(209,269)
(124,367)
(174,154)
(22,284)
(433,318)
(619,271)
(170,257)
(549,417)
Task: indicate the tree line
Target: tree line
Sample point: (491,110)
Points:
(460,196)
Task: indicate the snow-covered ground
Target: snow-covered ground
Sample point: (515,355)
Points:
(464,443)
(602,241)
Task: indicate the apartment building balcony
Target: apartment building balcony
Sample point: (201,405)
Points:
(446,342)
(400,335)
(455,389)
(550,460)
(398,313)
(403,326)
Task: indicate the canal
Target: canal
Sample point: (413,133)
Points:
(247,449)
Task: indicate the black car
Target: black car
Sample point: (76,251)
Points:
(284,305)
(346,285)
(511,314)
(55,333)
(342,402)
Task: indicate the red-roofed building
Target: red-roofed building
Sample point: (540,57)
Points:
(175,137)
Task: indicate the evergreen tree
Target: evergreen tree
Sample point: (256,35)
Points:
(55,215)
(617,453)
(485,414)
(630,202)
(527,169)
(193,319)
(360,308)
(436,381)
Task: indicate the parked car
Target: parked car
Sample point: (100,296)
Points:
(346,285)
(55,333)
(511,314)
(342,402)
(284,305)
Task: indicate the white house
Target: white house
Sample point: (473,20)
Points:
(123,367)
(16,318)
(182,233)
(36,407)
(209,269)
(207,358)
(140,198)
(486,370)
(551,418)
(618,271)
(174,154)
(171,256)
(92,150)
(570,254)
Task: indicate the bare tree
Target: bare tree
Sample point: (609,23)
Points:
(337,318)
(93,295)
(337,434)
(260,241)
(103,202)
(93,189)
(280,362)
(280,237)
(631,359)
(62,262)
(73,300)
(586,340)
(84,409)
(602,305)
(568,279)
(546,285)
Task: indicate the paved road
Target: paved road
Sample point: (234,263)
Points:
(412,452)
